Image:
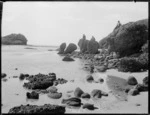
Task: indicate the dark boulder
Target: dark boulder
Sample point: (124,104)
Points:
(85,95)
(73,101)
(101,80)
(62,48)
(78,92)
(88,106)
(14,39)
(141,87)
(3,75)
(133,92)
(32,95)
(96,93)
(132,80)
(92,46)
(35,109)
(22,76)
(71,47)
(67,58)
(89,78)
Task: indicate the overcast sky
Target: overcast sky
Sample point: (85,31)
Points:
(51,23)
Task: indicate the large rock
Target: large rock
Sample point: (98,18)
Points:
(43,109)
(62,48)
(73,101)
(92,46)
(127,39)
(14,39)
(132,80)
(78,92)
(71,47)
(83,44)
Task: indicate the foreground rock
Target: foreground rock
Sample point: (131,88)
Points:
(71,47)
(44,109)
(62,48)
(88,106)
(89,78)
(55,95)
(3,75)
(14,39)
(96,93)
(72,101)
(40,81)
(67,58)
(32,95)
(78,92)
(132,80)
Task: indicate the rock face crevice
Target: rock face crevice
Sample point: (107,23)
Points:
(127,39)
(14,39)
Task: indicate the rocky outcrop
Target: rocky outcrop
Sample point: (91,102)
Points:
(127,39)
(83,44)
(62,48)
(73,101)
(14,39)
(43,109)
(71,47)
(32,95)
(132,80)
(78,92)
(92,46)
(67,58)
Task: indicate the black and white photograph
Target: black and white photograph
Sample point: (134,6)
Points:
(87,57)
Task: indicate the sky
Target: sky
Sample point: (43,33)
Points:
(52,23)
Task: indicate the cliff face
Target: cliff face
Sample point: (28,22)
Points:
(14,39)
(127,39)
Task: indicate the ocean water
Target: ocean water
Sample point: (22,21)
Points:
(40,60)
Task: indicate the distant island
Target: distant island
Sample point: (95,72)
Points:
(14,39)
